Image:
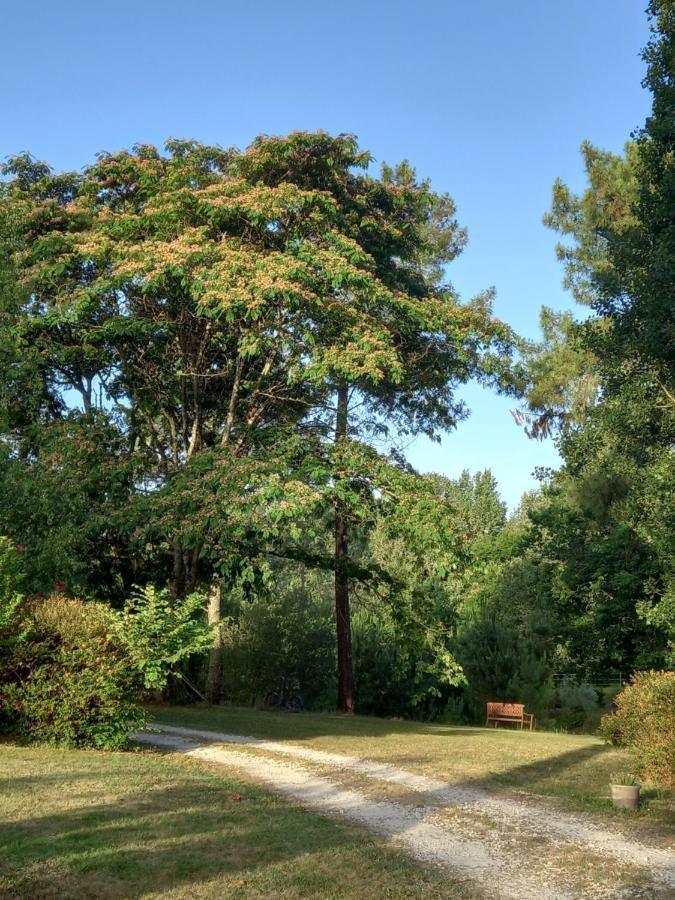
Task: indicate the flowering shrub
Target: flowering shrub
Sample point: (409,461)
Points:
(644,722)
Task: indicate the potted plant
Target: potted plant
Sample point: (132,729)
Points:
(625,788)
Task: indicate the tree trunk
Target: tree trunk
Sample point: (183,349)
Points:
(345,698)
(214,676)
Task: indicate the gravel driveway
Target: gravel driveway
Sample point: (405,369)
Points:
(505,847)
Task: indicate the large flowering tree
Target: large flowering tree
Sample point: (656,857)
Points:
(233,311)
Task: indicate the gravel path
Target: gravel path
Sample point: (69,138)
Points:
(483,855)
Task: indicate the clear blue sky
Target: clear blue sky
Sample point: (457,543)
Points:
(490,99)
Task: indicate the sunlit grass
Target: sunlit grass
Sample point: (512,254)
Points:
(77,824)
(573,768)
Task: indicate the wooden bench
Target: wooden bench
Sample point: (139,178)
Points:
(509,712)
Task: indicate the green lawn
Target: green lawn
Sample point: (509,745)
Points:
(573,768)
(86,824)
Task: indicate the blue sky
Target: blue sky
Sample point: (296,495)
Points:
(489,99)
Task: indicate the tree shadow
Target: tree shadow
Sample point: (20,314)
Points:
(290,726)
(552,777)
(275,726)
(184,834)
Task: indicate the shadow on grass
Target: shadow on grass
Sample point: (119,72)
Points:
(501,747)
(295,726)
(7,784)
(523,775)
(538,774)
(166,837)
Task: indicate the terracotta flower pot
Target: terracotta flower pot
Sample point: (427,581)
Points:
(625,796)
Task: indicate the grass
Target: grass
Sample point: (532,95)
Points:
(87,824)
(575,769)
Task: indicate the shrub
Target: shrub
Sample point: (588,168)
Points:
(384,679)
(158,632)
(570,719)
(575,694)
(532,683)
(488,653)
(454,713)
(607,695)
(68,681)
(500,663)
(277,638)
(10,604)
(11,570)
(400,671)
(74,672)
(644,722)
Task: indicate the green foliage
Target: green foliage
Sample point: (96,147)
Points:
(283,635)
(563,378)
(11,629)
(501,664)
(580,576)
(206,308)
(214,302)
(75,672)
(64,496)
(626,778)
(644,721)
(577,694)
(68,681)
(488,655)
(199,260)
(382,670)
(454,712)
(661,615)
(478,512)
(398,677)
(569,719)
(11,572)
(605,389)
(532,683)
(607,206)
(158,632)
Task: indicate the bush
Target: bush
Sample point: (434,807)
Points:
(384,679)
(569,719)
(454,713)
(400,671)
(281,638)
(607,695)
(74,672)
(575,694)
(644,722)
(500,663)
(11,571)
(158,632)
(66,681)
(532,683)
